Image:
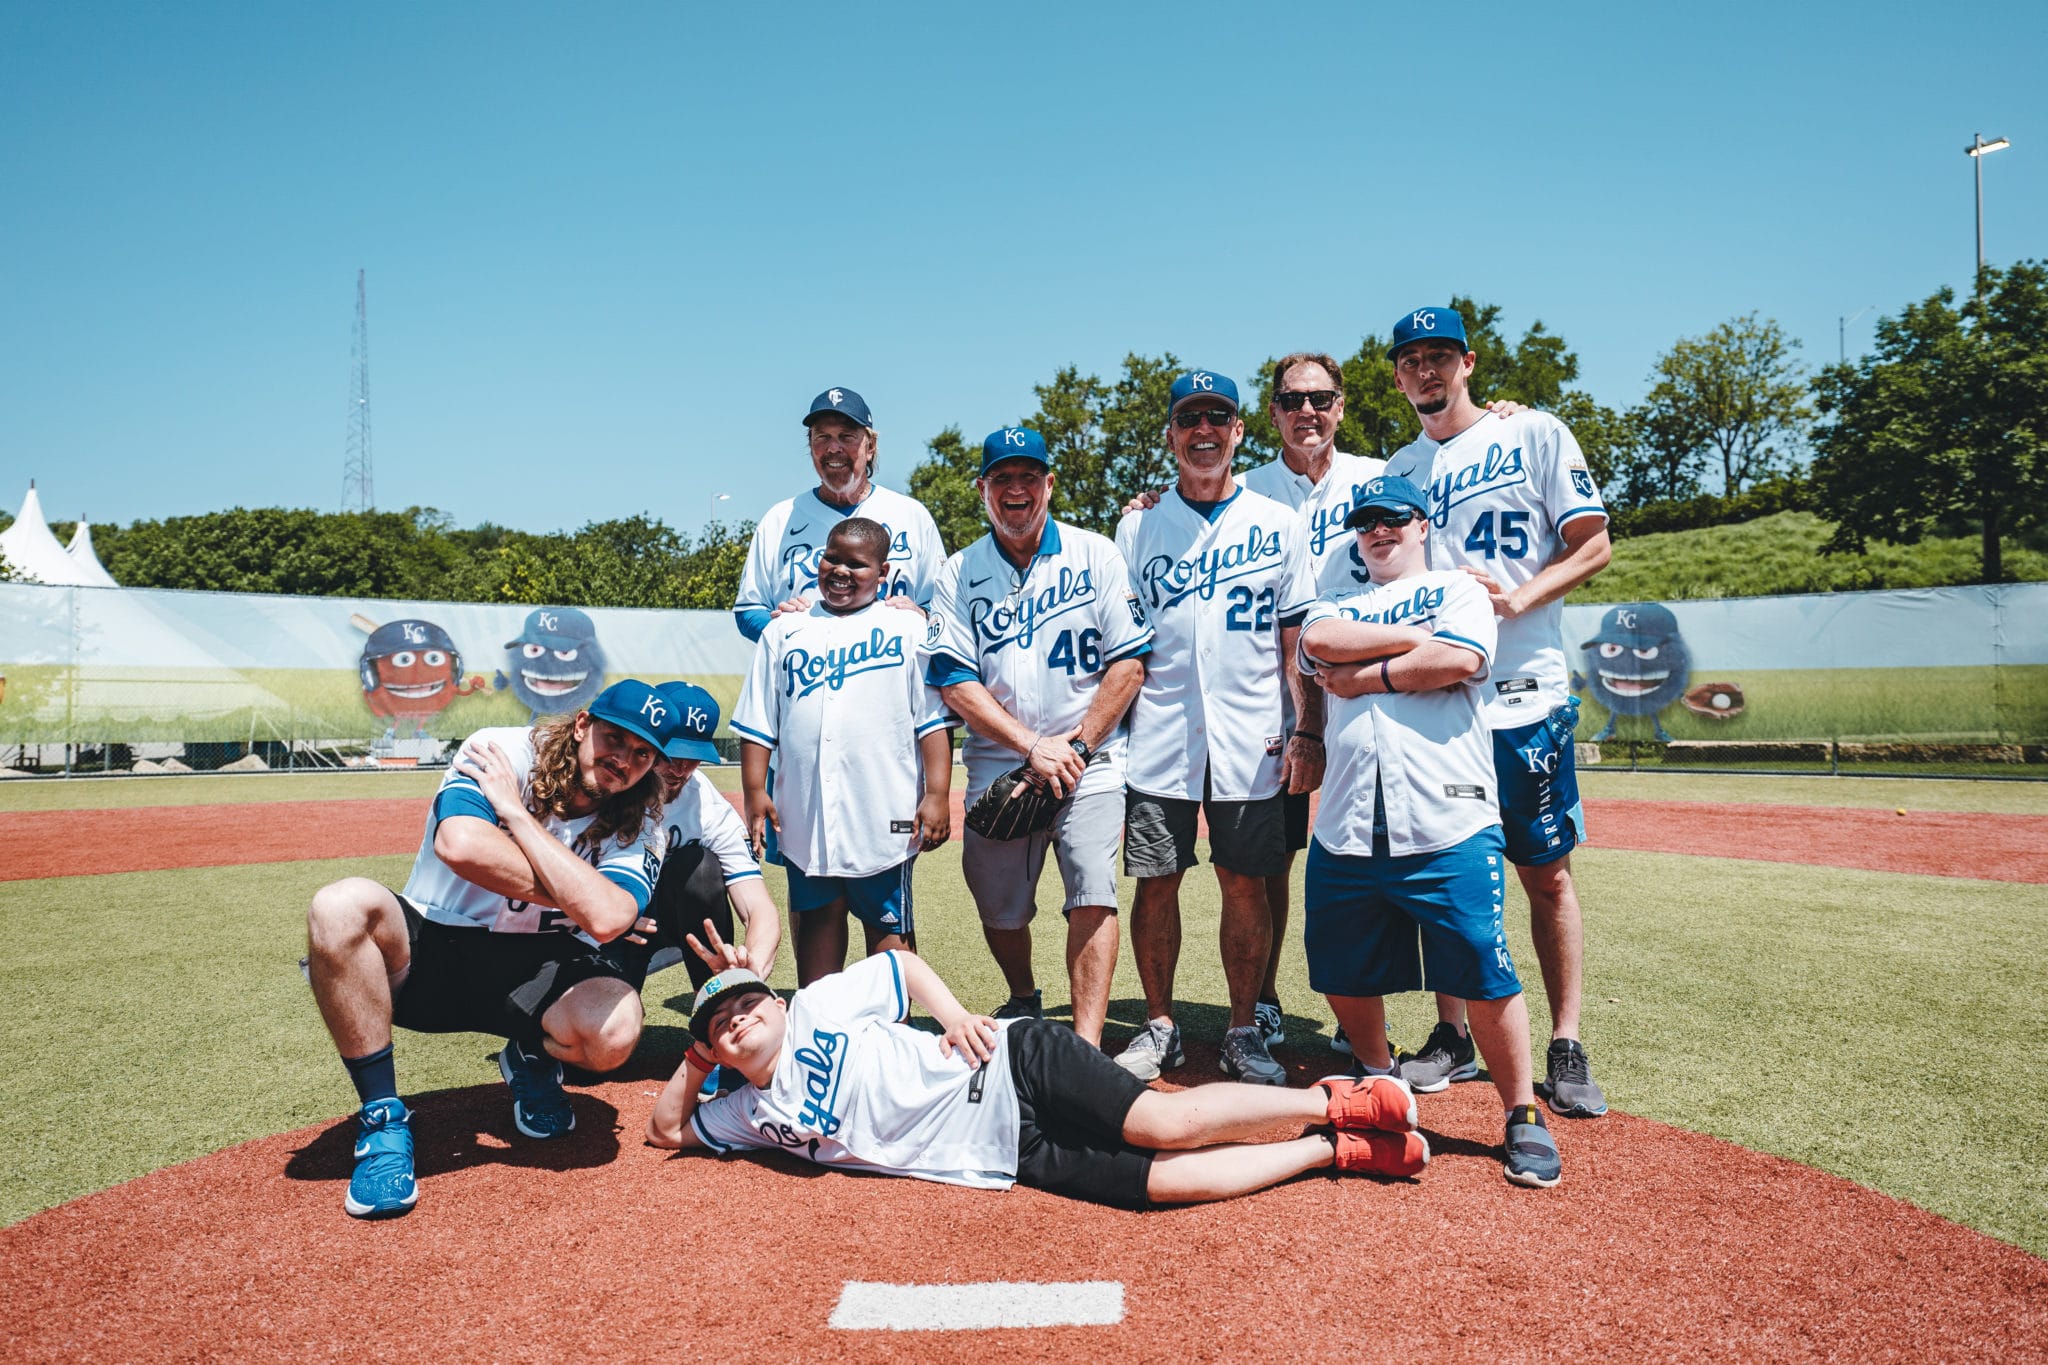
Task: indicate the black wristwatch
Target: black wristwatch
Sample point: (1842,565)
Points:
(1080,746)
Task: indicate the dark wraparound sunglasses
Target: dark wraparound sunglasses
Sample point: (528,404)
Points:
(1188,421)
(1392,520)
(1322,400)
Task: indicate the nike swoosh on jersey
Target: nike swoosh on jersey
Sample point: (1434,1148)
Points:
(977,582)
(799,530)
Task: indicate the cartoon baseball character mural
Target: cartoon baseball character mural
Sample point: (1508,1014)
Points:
(1636,665)
(410,670)
(556,663)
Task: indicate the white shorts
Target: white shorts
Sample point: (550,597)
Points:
(1003,875)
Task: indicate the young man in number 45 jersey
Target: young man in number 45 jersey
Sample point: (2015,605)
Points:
(1512,502)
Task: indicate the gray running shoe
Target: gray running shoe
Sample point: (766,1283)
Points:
(1030,1006)
(1446,1057)
(1155,1049)
(1568,1084)
(1531,1152)
(1266,1014)
(1245,1058)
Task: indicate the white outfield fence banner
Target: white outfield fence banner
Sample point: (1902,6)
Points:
(319,680)
(96,678)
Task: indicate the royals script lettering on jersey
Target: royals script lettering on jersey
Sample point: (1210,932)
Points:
(857,1087)
(782,560)
(842,701)
(1038,639)
(1500,493)
(1217,594)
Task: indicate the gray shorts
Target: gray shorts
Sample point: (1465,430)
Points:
(1002,875)
(1245,837)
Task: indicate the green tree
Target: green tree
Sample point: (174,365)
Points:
(1736,396)
(1945,423)
(944,483)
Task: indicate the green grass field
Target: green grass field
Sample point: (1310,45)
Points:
(1882,1027)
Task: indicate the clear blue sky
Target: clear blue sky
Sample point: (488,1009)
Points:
(614,249)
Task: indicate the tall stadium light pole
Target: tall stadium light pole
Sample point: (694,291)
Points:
(1842,328)
(1977,151)
(716,498)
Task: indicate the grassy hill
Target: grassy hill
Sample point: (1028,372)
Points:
(1781,554)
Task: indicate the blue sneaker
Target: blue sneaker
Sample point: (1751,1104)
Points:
(383,1185)
(540,1107)
(1531,1151)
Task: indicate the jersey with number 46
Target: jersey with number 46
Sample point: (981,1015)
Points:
(1217,593)
(1037,639)
(444,897)
(1500,494)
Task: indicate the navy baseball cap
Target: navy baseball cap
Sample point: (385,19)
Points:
(556,628)
(1634,623)
(1384,492)
(731,981)
(1429,324)
(1202,384)
(635,707)
(699,722)
(844,402)
(1013,443)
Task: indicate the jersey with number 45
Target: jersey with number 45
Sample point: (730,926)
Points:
(1500,493)
(444,897)
(1218,593)
(1038,639)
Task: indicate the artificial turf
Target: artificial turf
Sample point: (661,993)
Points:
(1878,1026)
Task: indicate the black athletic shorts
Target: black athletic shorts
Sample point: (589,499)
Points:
(1297,820)
(465,980)
(1071,1105)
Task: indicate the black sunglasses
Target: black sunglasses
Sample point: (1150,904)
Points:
(1188,421)
(1290,400)
(1363,520)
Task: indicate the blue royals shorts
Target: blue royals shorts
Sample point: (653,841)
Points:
(1363,918)
(881,900)
(1538,777)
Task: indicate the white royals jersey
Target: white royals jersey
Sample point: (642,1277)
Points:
(857,1087)
(1038,640)
(1428,754)
(782,561)
(1499,493)
(842,702)
(700,814)
(1216,593)
(1323,507)
(445,898)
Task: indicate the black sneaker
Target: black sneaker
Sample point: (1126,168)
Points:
(1446,1057)
(1531,1152)
(1030,1006)
(1568,1085)
(1266,1014)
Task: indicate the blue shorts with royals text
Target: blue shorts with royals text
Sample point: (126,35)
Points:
(1364,919)
(1539,788)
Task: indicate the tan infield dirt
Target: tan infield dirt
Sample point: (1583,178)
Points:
(1988,847)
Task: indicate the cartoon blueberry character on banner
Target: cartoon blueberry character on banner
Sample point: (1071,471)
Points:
(1637,664)
(556,663)
(410,670)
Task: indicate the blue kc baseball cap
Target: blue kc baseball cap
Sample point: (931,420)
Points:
(699,713)
(1429,324)
(556,628)
(635,707)
(845,403)
(1202,384)
(1013,443)
(1383,493)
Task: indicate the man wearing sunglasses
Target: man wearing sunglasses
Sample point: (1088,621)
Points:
(1225,577)
(1512,503)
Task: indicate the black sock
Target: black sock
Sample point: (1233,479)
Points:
(375,1075)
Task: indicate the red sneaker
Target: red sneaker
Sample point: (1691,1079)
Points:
(1382,1103)
(1382,1153)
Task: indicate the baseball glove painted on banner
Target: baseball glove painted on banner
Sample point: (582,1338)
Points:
(1015,805)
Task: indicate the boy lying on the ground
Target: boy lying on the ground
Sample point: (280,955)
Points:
(837,1076)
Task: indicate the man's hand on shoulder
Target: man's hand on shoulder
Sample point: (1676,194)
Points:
(1145,501)
(902,602)
(792,604)
(488,766)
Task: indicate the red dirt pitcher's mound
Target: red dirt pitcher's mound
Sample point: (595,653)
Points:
(1660,1243)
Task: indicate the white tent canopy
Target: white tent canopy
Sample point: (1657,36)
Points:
(87,559)
(34,554)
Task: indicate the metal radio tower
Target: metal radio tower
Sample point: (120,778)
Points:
(358,489)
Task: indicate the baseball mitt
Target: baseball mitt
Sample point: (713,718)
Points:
(1716,701)
(1015,805)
